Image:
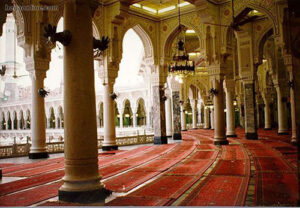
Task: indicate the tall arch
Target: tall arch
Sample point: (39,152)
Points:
(146,40)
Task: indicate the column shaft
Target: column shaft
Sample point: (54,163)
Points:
(219,116)
(159,122)
(282,116)
(168,104)
(267,116)
(109,142)
(82,180)
(176,116)
(206,118)
(38,121)
(194,113)
(230,119)
(249,109)
(182,115)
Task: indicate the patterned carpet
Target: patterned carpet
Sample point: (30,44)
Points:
(193,172)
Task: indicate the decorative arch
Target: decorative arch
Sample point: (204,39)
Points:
(145,38)
(127,114)
(167,44)
(141,112)
(252,5)
(261,43)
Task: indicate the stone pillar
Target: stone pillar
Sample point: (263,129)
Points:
(159,122)
(168,106)
(212,119)
(206,118)
(182,117)
(109,142)
(199,119)
(134,118)
(282,115)
(230,117)
(176,116)
(293,109)
(121,111)
(266,99)
(249,109)
(219,116)
(81,182)
(37,69)
(194,112)
(289,67)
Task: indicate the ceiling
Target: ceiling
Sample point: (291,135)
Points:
(159,4)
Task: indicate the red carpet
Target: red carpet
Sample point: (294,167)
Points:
(232,167)
(5,165)
(233,152)
(112,170)
(170,187)
(206,147)
(159,164)
(271,164)
(190,168)
(36,170)
(264,153)
(30,182)
(138,201)
(129,180)
(32,165)
(219,191)
(199,155)
(32,196)
(276,189)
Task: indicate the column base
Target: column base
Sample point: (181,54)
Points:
(160,140)
(283,133)
(294,142)
(169,136)
(231,135)
(109,148)
(38,155)
(267,129)
(221,142)
(177,136)
(0,173)
(85,197)
(194,128)
(251,136)
(184,130)
(206,128)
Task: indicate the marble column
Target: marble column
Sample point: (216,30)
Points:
(168,107)
(159,122)
(81,182)
(38,147)
(212,118)
(182,117)
(219,115)
(206,118)
(194,113)
(176,116)
(109,142)
(249,109)
(282,115)
(230,117)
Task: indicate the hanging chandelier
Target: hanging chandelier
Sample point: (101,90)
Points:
(180,64)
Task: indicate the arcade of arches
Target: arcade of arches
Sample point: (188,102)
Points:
(245,82)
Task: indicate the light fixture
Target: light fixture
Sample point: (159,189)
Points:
(180,63)
(2,70)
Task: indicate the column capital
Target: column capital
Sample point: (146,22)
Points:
(37,64)
(229,85)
